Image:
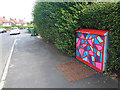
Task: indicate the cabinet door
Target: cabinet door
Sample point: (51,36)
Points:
(90,49)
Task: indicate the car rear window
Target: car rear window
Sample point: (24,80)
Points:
(13,28)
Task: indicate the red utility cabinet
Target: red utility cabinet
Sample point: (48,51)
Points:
(91,48)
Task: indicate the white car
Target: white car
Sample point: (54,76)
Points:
(2,30)
(14,30)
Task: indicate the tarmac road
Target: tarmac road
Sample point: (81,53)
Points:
(6,42)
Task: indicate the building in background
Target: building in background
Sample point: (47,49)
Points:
(4,22)
(23,23)
(15,22)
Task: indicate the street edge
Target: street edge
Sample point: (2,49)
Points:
(2,81)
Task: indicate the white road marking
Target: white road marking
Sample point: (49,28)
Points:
(2,81)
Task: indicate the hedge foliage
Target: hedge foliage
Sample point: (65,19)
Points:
(6,27)
(57,23)
(44,20)
(9,27)
(105,16)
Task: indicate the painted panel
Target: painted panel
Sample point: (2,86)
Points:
(90,49)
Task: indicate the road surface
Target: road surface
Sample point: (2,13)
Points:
(6,42)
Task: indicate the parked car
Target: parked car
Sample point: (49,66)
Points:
(14,30)
(2,30)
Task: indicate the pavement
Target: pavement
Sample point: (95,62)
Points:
(33,65)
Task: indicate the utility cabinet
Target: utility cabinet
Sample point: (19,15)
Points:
(91,48)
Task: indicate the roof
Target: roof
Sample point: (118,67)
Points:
(3,20)
(14,21)
(22,22)
(93,31)
(0,22)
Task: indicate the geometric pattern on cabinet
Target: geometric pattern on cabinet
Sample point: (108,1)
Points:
(91,48)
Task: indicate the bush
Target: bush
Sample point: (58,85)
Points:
(49,19)
(67,24)
(20,27)
(29,26)
(57,22)
(6,27)
(105,16)
(44,20)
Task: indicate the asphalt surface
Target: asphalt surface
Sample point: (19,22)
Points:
(6,41)
(33,65)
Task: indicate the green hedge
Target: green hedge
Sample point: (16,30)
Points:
(20,27)
(6,27)
(105,16)
(67,24)
(44,20)
(57,22)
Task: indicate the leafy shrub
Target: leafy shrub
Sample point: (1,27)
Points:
(44,20)
(6,27)
(14,25)
(105,16)
(20,27)
(29,26)
(67,24)
(50,20)
(57,22)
